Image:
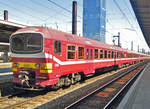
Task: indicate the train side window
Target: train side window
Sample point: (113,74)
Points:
(117,54)
(80,52)
(91,54)
(71,52)
(105,54)
(112,54)
(87,53)
(109,54)
(101,53)
(122,55)
(96,53)
(57,47)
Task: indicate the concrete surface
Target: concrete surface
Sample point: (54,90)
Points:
(138,96)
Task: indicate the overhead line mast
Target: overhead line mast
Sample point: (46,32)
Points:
(74,17)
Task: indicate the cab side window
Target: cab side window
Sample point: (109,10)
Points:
(57,47)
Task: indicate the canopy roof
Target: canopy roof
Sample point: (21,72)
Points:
(142,12)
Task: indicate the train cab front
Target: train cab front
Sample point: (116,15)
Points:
(31,69)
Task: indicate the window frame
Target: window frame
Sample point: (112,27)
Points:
(112,54)
(95,53)
(122,55)
(109,54)
(118,54)
(59,53)
(87,53)
(105,55)
(101,53)
(83,52)
(91,53)
(115,54)
(24,52)
(71,51)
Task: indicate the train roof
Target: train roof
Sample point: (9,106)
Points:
(59,35)
(63,36)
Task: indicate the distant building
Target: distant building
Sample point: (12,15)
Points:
(94,19)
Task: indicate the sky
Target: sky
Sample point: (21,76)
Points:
(120,18)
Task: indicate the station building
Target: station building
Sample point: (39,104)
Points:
(94,19)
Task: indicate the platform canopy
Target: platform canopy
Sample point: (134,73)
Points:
(6,29)
(142,11)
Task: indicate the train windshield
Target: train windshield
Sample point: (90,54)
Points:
(27,43)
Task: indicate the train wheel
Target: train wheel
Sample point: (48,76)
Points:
(55,87)
(59,84)
(73,81)
(67,81)
(78,77)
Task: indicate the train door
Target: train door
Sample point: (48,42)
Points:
(90,64)
(115,56)
(57,50)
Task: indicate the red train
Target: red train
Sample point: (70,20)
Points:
(44,57)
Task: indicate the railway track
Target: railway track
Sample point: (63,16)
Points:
(13,100)
(22,100)
(106,96)
(32,100)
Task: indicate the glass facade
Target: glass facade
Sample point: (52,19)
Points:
(94,19)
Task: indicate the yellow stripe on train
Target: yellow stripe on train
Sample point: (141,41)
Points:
(14,69)
(45,71)
(33,65)
(48,65)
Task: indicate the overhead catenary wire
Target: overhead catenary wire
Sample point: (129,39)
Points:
(42,5)
(129,10)
(134,30)
(43,19)
(123,13)
(21,11)
(56,12)
(41,12)
(126,18)
(62,7)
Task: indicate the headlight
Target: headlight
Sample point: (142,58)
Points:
(37,65)
(40,65)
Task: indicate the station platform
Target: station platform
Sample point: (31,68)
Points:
(138,96)
(5,65)
(6,73)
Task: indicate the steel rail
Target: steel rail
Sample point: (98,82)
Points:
(11,96)
(103,86)
(17,104)
(122,89)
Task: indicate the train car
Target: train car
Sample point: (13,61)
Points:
(43,57)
